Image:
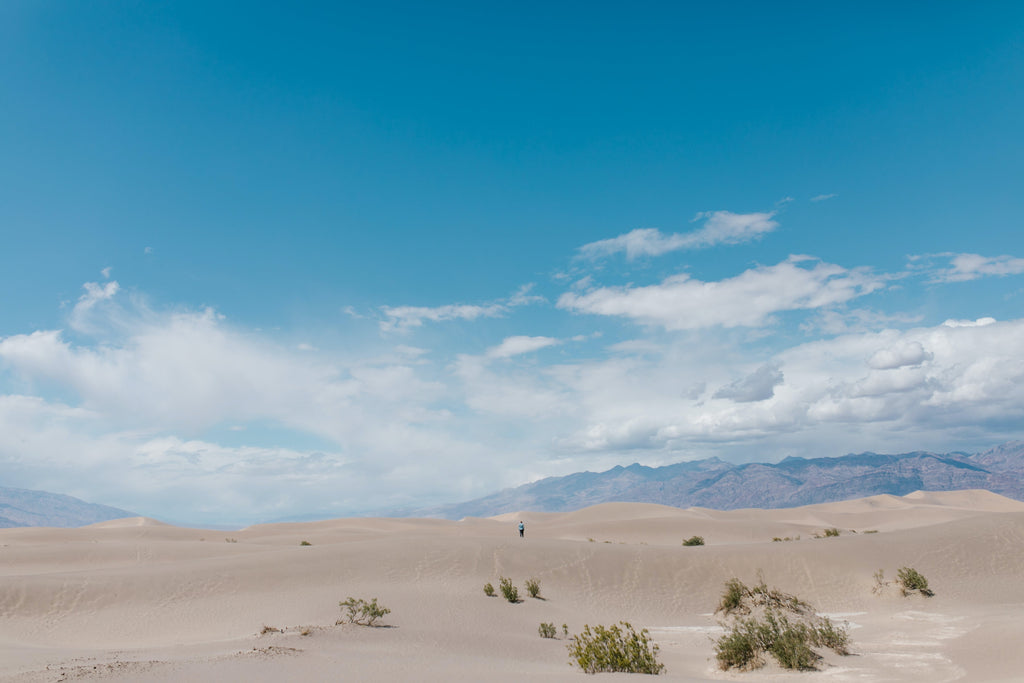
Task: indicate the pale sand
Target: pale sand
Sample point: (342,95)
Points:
(136,600)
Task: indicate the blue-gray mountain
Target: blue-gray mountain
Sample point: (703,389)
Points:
(21,507)
(715,484)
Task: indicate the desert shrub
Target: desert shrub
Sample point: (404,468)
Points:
(732,597)
(739,648)
(533,587)
(546,630)
(231,540)
(565,630)
(269,629)
(305,543)
(768,630)
(694,540)
(831,532)
(489,590)
(510,592)
(871,531)
(911,580)
(364,613)
(615,648)
(827,634)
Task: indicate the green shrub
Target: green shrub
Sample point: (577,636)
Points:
(565,630)
(533,587)
(615,649)
(546,630)
(732,598)
(364,613)
(305,543)
(488,590)
(831,532)
(510,592)
(789,639)
(694,540)
(911,580)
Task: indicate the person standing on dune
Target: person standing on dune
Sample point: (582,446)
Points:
(522,528)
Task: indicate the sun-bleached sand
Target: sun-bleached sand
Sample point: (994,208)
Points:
(137,600)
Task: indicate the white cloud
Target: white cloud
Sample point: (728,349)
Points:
(518,345)
(747,300)
(720,227)
(758,386)
(902,354)
(106,272)
(888,389)
(823,197)
(980,322)
(964,267)
(402,318)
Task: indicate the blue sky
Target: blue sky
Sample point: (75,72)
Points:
(262,261)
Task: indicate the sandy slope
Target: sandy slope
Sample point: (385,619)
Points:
(136,600)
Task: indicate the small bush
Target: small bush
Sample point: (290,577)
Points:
(694,540)
(830,533)
(305,543)
(363,613)
(565,630)
(231,540)
(510,592)
(488,590)
(770,630)
(546,630)
(911,580)
(533,588)
(615,649)
(269,629)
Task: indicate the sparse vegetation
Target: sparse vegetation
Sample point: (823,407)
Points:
(305,543)
(908,579)
(619,648)
(773,623)
(565,630)
(306,631)
(787,538)
(363,613)
(510,592)
(694,540)
(871,531)
(533,588)
(269,629)
(489,590)
(831,533)
(231,540)
(911,580)
(546,630)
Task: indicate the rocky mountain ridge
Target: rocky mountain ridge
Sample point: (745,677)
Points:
(23,507)
(715,484)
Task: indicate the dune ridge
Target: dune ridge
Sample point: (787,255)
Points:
(139,600)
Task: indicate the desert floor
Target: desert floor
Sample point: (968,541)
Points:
(136,600)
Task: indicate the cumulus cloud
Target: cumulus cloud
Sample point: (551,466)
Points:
(758,386)
(747,300)
(901,354)
(720,227)
(924,385)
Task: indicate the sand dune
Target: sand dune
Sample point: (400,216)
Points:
(137,600)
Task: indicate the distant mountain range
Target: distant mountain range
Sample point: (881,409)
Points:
(718,485)
(21,507)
